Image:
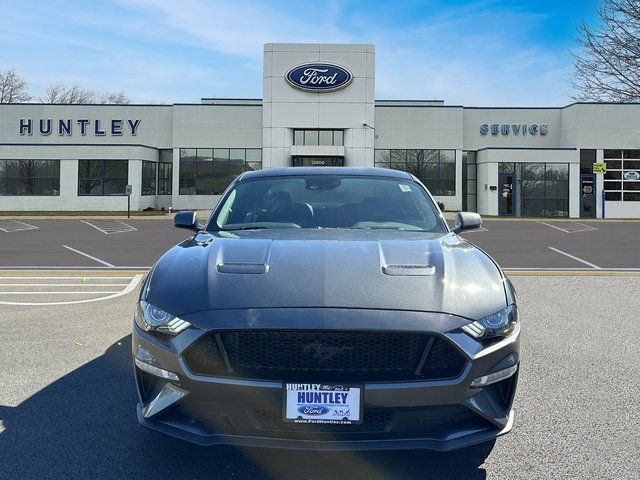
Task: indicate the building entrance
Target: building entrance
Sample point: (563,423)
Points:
(506,185)
(300,161)
(587,196)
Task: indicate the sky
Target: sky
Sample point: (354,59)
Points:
(472,53)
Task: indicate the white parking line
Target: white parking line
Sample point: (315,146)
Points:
(66,267)
(64,276)
(569,269)
(586,228)
(479,229)
(63,284)
(89,256)
(58,293)
(133,283)
(109,227)
(10,226)
(576,258)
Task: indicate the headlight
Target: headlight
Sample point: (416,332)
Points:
(149,318)
(499,324)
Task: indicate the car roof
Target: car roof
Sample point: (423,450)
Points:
(344,171)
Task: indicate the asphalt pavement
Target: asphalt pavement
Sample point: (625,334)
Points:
(517,244)
(67,397)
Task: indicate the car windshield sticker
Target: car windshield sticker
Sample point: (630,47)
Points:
(404,187)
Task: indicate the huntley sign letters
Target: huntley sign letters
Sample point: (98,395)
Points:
(66,127)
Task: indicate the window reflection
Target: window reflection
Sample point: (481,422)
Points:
(315,137)
(622,180)
(542,189)
(435,168)
(29,177)
(209,171)
(102,177)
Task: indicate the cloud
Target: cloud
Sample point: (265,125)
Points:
(241,28)
(474,56)
(474,53)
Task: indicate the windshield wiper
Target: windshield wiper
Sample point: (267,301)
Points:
(400,229)
(245,227)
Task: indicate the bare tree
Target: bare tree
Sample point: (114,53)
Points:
(13,89)
(61,93)
(114,97)
(75,94)
(608,66)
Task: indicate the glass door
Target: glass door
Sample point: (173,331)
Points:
(506,194)
(587,196)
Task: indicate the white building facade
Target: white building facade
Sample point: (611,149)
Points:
(319,108)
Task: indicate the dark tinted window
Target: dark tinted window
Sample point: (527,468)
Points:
(209,171)
(165,178)
(587,159)
(148,178)
(622,180)
(102,177)
(318,137)
(30,177)
(541,189)
(435,168)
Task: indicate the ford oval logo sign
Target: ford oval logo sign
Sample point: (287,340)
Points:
(319,77)
(632,175)
(313,409)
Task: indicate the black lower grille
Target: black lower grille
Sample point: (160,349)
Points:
(296,355)
(427,421)
(373,421)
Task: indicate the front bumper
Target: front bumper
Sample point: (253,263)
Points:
(432,414)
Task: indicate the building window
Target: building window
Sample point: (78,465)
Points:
(469,181)
(165,172)
(622,180)
(30,177)
(209,171)
(318,137)
(587,159)
(148,178)
(542,189)
(102,177)
(435,168)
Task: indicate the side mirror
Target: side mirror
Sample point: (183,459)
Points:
(466,221)
(187,220)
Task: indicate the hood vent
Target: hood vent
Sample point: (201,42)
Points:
(409,269)
(247,268)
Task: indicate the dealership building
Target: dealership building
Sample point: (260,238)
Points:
(319,108)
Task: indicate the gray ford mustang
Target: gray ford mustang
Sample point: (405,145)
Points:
(327,308)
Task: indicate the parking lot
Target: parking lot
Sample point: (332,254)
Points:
(67,395)
(138,243)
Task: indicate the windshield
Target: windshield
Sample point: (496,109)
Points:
(327,201)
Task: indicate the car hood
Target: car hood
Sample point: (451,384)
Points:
(367,269)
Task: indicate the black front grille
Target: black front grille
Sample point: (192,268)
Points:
(372,421)
(296,355)
(431,422)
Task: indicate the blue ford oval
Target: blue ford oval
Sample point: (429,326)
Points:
(313,410)
(319,77)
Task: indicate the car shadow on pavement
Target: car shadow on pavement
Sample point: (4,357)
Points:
(84,426)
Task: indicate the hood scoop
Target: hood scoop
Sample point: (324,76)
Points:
(409,270)
(408,258)
(243,257)
(251,268)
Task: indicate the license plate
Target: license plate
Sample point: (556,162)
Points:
(322,403)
